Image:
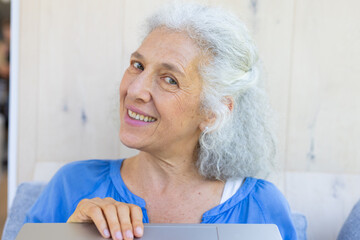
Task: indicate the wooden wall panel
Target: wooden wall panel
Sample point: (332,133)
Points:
(76,65)
(80,63)
(28,88)
(323,167)
(324,133)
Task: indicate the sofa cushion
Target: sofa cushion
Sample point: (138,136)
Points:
(25,197)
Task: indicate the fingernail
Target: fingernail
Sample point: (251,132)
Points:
(118,235)
(129,234)
(139,231)
(106,233)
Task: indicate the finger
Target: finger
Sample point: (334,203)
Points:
(106,200)
(97,216)
(78,215)
(123,212)
(136,220)
(112,219)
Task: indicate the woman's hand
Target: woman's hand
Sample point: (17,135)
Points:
(122,220)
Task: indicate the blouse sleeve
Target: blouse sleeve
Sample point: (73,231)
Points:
(53,203)
(70,184)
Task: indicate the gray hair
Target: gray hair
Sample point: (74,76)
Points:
(241,142)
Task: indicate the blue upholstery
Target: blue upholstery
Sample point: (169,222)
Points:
(27,193)
(300,223)
(351,227)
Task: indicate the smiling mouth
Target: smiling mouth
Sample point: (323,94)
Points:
(140,117)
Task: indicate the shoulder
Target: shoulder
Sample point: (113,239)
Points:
(267,195)
(273,207)
(70,183)
(81,169)
(82,176)
(92,165)
(268,198)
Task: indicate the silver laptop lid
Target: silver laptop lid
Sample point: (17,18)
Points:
(88,231)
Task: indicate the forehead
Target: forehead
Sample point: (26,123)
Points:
(167,46)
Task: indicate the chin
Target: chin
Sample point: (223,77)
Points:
(131,141)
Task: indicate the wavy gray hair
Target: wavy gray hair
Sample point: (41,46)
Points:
(241,142)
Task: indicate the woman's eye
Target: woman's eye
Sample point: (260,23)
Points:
(170,81)
(138,66)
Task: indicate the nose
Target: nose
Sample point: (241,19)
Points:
(140,88)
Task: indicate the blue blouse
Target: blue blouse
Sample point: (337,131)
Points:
(256,201)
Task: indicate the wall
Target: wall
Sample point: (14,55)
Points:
(73,53)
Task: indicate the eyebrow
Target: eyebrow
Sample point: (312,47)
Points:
(167,66)
(172,68)
(137,55)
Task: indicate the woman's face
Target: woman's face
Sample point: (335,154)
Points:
(160,95)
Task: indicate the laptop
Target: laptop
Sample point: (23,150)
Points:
(88,231)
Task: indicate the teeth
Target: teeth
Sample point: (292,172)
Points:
(140,117)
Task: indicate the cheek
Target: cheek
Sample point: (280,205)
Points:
(180,102)
(186,101)
(187,106)
(122,95)
(123,87)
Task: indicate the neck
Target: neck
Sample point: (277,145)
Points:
(171,170)
(146,171)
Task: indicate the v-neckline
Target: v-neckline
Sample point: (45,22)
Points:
(132,198)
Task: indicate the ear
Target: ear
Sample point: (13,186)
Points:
(209,120)
(229,101)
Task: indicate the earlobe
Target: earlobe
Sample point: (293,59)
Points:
(208,122)
(203,126)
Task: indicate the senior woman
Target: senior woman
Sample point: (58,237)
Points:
(192,104)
